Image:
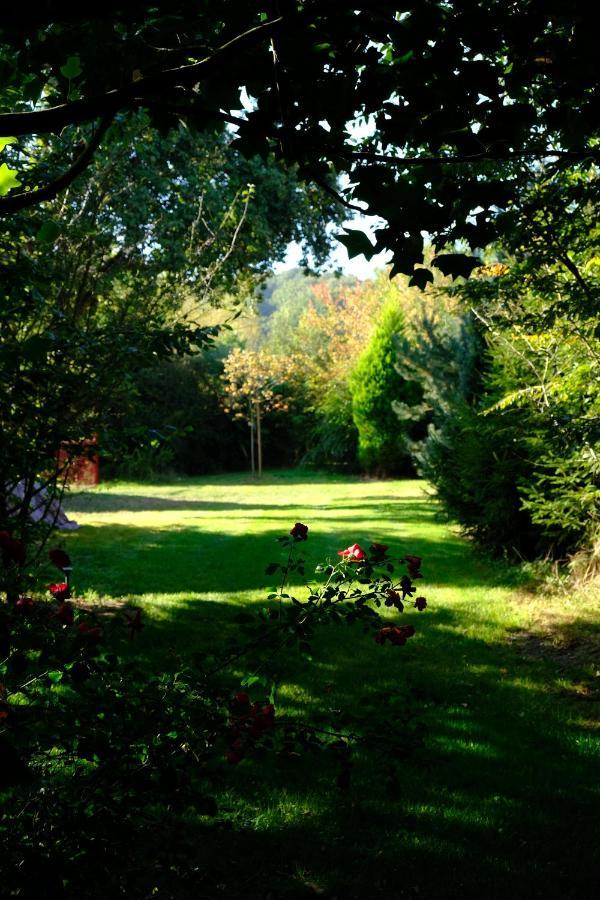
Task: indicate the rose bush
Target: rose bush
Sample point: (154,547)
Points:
(96,751)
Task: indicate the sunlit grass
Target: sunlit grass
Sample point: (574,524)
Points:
(508,769)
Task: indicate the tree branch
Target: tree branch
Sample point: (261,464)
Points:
(485,155)
(340,199)
(25,199)
(55,118)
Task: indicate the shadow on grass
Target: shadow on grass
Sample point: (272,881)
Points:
(500,799)
(415,508)
(130,560)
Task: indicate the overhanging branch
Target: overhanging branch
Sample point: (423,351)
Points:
(76,112)
(485,156)
(20,201)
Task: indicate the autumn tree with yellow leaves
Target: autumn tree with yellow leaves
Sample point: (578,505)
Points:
(257,382)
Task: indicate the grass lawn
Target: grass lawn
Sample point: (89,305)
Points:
(502,798)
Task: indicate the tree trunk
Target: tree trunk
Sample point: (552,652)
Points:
(251,422)
(258,440)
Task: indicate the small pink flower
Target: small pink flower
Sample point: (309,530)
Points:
(353,553)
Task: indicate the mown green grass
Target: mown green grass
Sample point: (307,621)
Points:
(501,798)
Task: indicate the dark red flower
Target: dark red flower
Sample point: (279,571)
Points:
(299,532)
(395,634)
(420,603)
(268,713)
(13,550)
(60,559)
(262,718)
(25,604)
(353,553)
(414,561)
(414,564)
(134,623)
(93,632)
(234,756)
(242,698)
(64,613)
(60,591)
(378,549)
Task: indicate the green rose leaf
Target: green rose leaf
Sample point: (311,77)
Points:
(72,68)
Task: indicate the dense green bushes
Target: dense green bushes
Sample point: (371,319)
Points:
(178,424)
(512,414)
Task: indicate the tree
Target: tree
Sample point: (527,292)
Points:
(509,364)
(462,98)
(115,276)
(254,383)
(375,385)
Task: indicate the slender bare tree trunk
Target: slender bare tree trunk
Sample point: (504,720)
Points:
(258,440)
(251,419)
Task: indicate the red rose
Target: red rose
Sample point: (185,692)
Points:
(395,634)
(354,553)
(242,699)
(60,591)
(93,632)
(420,603)
(414,561)
(263,718)
(13,550)
(60,559)
(378,549)
(299,532)
(414,564)
(25,604)
(268,713)
(65,612)
(233,757)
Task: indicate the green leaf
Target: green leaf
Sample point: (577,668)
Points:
(4,141)
(48,232)
(55,677)
(72,68)
(8,181)
(356,242)
(249,680)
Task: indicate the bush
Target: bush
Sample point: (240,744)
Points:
(106,767)
(178,423)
